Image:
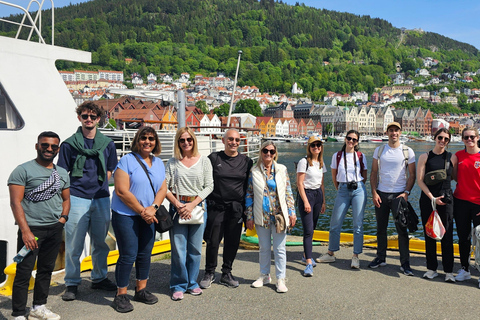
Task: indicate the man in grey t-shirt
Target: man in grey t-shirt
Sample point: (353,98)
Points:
(40,201)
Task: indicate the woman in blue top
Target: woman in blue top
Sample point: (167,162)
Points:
(134,205)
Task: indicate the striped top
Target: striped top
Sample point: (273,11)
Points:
(194,181)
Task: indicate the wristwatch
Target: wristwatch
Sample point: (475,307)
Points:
(155,206)
(407,192)
(64,217)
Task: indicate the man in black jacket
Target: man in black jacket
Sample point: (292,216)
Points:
(225,208)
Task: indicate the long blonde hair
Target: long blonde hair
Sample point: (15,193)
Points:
(266,144)
(177,151)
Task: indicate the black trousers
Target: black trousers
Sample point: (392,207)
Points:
(49,241)
(382,214)
(446,215)
(465,213)
(223,221)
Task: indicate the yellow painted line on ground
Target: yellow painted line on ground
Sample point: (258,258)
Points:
(158,247)
(416,245)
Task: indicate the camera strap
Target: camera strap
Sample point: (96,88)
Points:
(345,162)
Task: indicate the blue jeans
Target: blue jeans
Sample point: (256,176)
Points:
(92,216)
(345,197)
(135,240)
(265,236)
(186,242)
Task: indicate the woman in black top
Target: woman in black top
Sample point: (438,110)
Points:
(441,193)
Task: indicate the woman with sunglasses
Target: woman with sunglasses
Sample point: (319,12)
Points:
(349,174)
(189,181)
(269,201)
(134,205)
(440,193)
(467,196)
(311,196)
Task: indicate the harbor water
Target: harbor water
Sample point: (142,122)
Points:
(291,152)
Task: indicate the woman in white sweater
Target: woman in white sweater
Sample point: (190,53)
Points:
(269,198)
(190,180)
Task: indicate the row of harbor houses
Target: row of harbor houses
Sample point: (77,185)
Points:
(128,112)
(365,119)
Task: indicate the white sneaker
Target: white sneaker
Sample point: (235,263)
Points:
(430,274)
(355,263)
(463,275)
(20,318)
(263,279)
(281,287)
(42,313)
(449,277)
(326,258)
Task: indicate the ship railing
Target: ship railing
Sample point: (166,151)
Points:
(33,23)
(208,142)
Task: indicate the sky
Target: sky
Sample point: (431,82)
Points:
(454,19)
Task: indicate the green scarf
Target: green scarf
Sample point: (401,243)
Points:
(100,143)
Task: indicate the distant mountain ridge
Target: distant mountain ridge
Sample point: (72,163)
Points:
(282,43)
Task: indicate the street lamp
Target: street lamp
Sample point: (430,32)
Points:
(234,86)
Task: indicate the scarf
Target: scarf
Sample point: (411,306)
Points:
(100,143)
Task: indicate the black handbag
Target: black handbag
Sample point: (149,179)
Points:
(164,218)
(434,177)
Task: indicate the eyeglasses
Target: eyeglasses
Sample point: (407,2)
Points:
(233,139)
(85,117)
(351,139)
(441,138)
(466,138)
(266,151)
(144,138)
(316,145)
(189,140)
(45,146)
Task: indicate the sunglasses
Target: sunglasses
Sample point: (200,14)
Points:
(189,140)
(441,138)
(351,139)
(144,138)
(266,151)
(316,145)
(45,146)
(233,139)
(85,117)
(466,138)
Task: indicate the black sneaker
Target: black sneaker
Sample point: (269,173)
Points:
(70,294)
(405,268)
(377,263)
(228,280)
(122,304)
(145,297)
(105,284)
(207,280)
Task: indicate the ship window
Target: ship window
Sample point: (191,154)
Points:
(10,119)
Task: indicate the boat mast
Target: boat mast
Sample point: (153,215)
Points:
(233,91)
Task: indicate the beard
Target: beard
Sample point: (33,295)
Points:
(46,157)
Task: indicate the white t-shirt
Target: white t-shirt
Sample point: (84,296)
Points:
(350,167)
(391,174)
(313,176)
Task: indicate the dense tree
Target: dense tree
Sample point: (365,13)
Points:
(202,105)
(223,110)
(248,106)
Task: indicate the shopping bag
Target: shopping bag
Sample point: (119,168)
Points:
(434,227)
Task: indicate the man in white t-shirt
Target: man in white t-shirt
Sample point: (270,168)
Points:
(392,176)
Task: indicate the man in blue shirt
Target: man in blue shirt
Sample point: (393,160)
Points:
(89,157)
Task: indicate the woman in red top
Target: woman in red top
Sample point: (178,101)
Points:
(467,196)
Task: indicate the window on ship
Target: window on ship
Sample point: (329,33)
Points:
(10,119)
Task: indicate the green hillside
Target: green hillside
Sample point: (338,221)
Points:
(282,44)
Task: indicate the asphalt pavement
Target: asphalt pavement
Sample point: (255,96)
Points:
(334,292)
